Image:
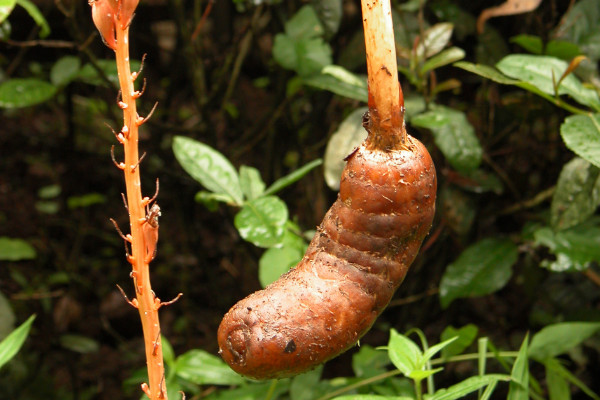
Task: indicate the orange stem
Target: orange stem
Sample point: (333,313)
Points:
(386,103)
(147,303)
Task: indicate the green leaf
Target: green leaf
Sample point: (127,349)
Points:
(330,15)
(558,387)
(304,24)
(36,15)
(404,353)
(261,221)
(252,391)
(574,248)
(168,352)
(251,182)
(562,49)
(539,72)
(557,339)
(581,134)
(65,70)
(369,362)
(531,43)
(580,26)
(370,397)
(433,350)
(446,57)
(556,366)
(79,343)
(202,368)
(487,72)
(349,135)
(303,385)
(313,56)
(11,344)
(18,92)
(88,73)
(519,383)
(275,262)
(454,135)
(481,269)
(85,200)
(577,194)
(208,166)
(292,177)
(467,386)
(465,336)
(340,81)
(284,51)
(7,317)
(6,7)
(15,249)
(210,199)
(435,39)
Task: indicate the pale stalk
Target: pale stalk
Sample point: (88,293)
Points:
(146,301)
(386,103)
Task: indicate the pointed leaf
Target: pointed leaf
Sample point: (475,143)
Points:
(487,72)
(574,248)
(6,7)
(467,386)
(435,39)
(15,249)
(340,81)
(446,57)
(251,182)
(292,177)
(304,24)
(559,338)
(481,269)
(465,336)
(11,344)
(556,366)
(261,221)
(581,134)
(65,70)
(558,387)
(519,383)
(36,15)
(404,353)
(369,362)
(454,135)
(577,194)
(208,166)
(349,135)
(433,350)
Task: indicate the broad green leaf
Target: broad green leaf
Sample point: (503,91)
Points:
(574,248)
(168,352)
(79,343)
(202,368)
(481,181)
(7,317)
(467,386)
(90,75)
(557,339)
(404,353)
(85,200)
(519,377)
(303,385)
(330,15)
(446,57)
(340,81)
(539,72)
(369,362)
(251,182)
(261,221)
(15,249)
(25,92)
(481,269)
(581,134)
(36,15)
(562,49)
(65,70)
(454,135)
(252,391)
(465,336)
(6,7)
(558,387)
(275,262)
(292,177)
(414,105)
(487,72)
(208,166)
(577,194)
(11,344)
(435,39)
(349,135)
(284,51)
(313,55)
(531,43)
(304,24)
(580,26)
(211,200)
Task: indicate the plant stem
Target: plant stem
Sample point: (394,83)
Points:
(147,303)
(386,102)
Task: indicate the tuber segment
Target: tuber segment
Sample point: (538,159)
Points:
(353,265)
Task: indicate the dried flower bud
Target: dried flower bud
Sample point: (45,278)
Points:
(103,14)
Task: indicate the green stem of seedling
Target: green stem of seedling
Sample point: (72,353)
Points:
(272,387)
